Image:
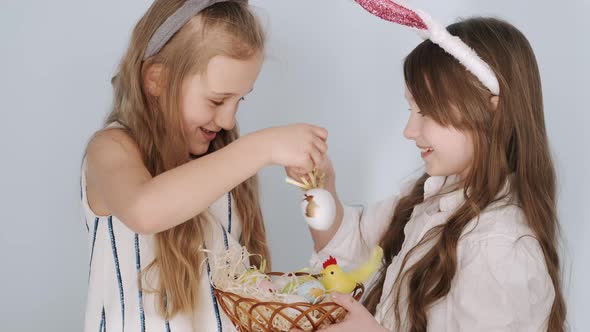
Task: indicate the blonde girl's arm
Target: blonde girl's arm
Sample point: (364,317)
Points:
(118,183)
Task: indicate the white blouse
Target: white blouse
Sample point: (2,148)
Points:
(501,284)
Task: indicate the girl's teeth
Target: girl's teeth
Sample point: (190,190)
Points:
(425,150)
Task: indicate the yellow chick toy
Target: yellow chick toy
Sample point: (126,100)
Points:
(336,280)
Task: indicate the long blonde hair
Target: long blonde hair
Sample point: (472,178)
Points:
(508,140)
(226,28)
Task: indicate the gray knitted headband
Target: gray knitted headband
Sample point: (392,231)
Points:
(176,21)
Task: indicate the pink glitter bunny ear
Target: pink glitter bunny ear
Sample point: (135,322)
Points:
(429,28)
(393,12)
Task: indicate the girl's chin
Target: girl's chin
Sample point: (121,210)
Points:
(199,150)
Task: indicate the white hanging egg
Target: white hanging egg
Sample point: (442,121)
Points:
(319,209)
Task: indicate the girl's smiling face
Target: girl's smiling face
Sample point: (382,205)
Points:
(445,150)
(210,100)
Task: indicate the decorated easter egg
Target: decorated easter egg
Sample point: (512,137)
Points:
(266,285)
(319,209)
(293,284)
(281,282)
(313,291)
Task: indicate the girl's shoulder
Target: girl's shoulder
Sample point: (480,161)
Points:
(499,223)
(109,142)
(501,234)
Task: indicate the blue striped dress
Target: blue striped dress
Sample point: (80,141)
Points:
(115,301)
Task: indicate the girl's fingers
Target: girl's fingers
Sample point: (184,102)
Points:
(316,156)
(320,132)
(347,302)
(322,146)
(307,165)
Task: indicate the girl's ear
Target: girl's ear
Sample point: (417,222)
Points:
(494,101)
(153,79)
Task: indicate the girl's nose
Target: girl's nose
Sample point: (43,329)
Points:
(226,118)
(413,127)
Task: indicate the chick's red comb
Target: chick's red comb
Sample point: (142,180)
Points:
(330,261)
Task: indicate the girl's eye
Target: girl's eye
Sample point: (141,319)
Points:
(217,103)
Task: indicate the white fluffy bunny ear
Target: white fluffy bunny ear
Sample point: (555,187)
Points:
(429,28)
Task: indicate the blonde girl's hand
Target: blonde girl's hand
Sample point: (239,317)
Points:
(298,146)
(324,166)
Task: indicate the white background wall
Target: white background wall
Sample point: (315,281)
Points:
(329,63)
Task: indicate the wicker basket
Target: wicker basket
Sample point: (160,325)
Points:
(251,315)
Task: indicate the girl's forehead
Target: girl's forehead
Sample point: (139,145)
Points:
(231,76)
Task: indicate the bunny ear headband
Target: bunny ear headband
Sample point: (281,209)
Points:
(428,28)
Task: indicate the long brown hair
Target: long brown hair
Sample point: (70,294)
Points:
(226,28)
(510,139)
